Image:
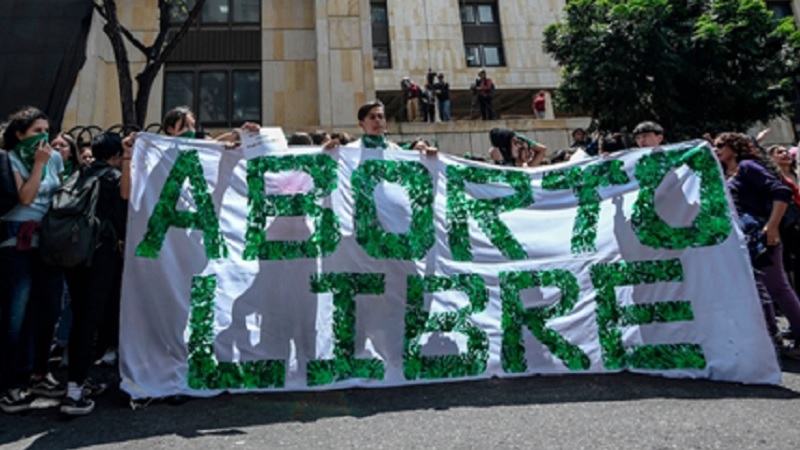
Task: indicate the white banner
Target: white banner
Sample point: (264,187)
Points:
(309,270)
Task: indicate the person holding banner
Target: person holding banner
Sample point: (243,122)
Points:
(372,120)
(93,286)
(759,193)
(30,289)
(181,122)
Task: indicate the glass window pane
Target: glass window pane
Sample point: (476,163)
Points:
(473,56)
(179,11)
(215,11)
(178,89)
(780,9)
(213,101)
(467,14)
(486,13)
(246,11)
(379,14)
(381,58)
(492,56)
(246,96)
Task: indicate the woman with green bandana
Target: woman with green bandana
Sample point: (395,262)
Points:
(30,289)
(66,146)
(181,122)
(372,119)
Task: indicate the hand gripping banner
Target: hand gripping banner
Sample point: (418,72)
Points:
(313,269)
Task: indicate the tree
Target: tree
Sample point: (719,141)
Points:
(134,109)
(692,65)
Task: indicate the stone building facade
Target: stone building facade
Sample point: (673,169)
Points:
(308,64)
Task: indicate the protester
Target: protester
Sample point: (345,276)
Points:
(539,105)
(65,145)
(300,139)
(422,145)
(790,228)
(30,289)
(181,122)
(320,137)
(760,195)
(92,285)
(85,156)
(648,134)
(485,88)
(579,138)
(428,104)
(442,90)
(513,149)
(372,120)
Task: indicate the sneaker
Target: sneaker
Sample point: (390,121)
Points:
(15,400)
(79,407)
(47,386)
(109,358)
(93,388)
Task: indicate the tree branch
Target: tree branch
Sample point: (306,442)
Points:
(163,51)
(130,37)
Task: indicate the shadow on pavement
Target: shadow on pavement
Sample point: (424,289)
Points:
(113,421)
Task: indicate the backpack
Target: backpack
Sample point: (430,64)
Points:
(70,228)
(9,195)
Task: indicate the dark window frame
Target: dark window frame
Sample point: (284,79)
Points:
(197,70)
(481,35)
(380,36)
(230,24)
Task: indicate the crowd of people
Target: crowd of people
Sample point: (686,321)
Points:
(47,306)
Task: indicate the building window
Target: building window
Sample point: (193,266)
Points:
(483,42)
(780,9)
(381,50)
(219,96)
(218,13)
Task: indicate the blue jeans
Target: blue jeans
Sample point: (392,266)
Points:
(444,110)
(30,296)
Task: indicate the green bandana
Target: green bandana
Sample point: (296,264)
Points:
(26,150)
(69,167)
(189,134)
(374,141)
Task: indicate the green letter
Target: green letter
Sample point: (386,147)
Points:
(585,183)
(204,370)
(611,316)
(343,366)
(486,212)
(416,180)
(165,215)
(712,224)
(419,321)
(326,236)
(515,316)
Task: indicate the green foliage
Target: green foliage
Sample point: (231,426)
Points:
(689,64)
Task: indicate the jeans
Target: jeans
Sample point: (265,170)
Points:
(444,110)
(30,296)
(781,291)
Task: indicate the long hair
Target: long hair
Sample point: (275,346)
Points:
(19,122)
(744,148)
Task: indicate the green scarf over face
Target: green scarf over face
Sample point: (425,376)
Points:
(69,167)
(189,134)
(26,150)
(374,141)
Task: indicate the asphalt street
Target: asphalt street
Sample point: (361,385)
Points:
(564,412)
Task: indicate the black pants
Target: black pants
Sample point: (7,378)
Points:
(92,290)
(487,113)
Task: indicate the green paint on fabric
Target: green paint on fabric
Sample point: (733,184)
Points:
(205,372)
(326,236)
(344,365)
(586,182)
(485,211)
(711,226)
(516,316)
(419,321)
(611,317)
(165,214)
(370,234)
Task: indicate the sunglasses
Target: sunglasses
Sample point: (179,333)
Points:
(720,145)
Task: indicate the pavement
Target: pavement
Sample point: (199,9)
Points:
(617,411)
